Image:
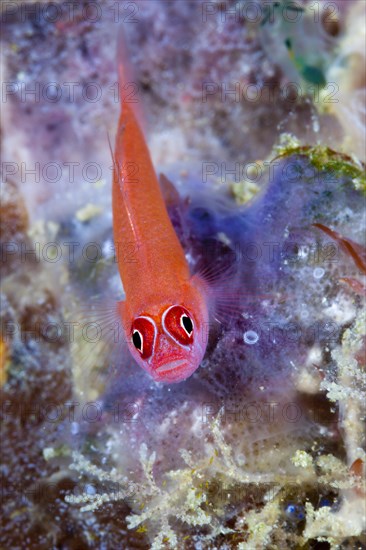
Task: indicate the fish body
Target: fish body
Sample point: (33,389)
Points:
(165,313)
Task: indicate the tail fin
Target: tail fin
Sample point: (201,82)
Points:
(128,86)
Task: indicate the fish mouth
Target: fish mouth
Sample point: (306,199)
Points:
(171,366)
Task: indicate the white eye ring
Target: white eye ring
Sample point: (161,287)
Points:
(167,331)
(142,339)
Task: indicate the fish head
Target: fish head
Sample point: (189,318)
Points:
(170,344)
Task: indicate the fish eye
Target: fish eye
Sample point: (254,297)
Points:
(137,340)
(178,324)
(186,324)
(143,332)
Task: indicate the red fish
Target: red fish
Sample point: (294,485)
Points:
(165,312)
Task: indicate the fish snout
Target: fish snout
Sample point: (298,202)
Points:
(173,371)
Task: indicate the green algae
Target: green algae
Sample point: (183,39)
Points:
(325,159)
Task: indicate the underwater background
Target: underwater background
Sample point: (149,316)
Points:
(255,112)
